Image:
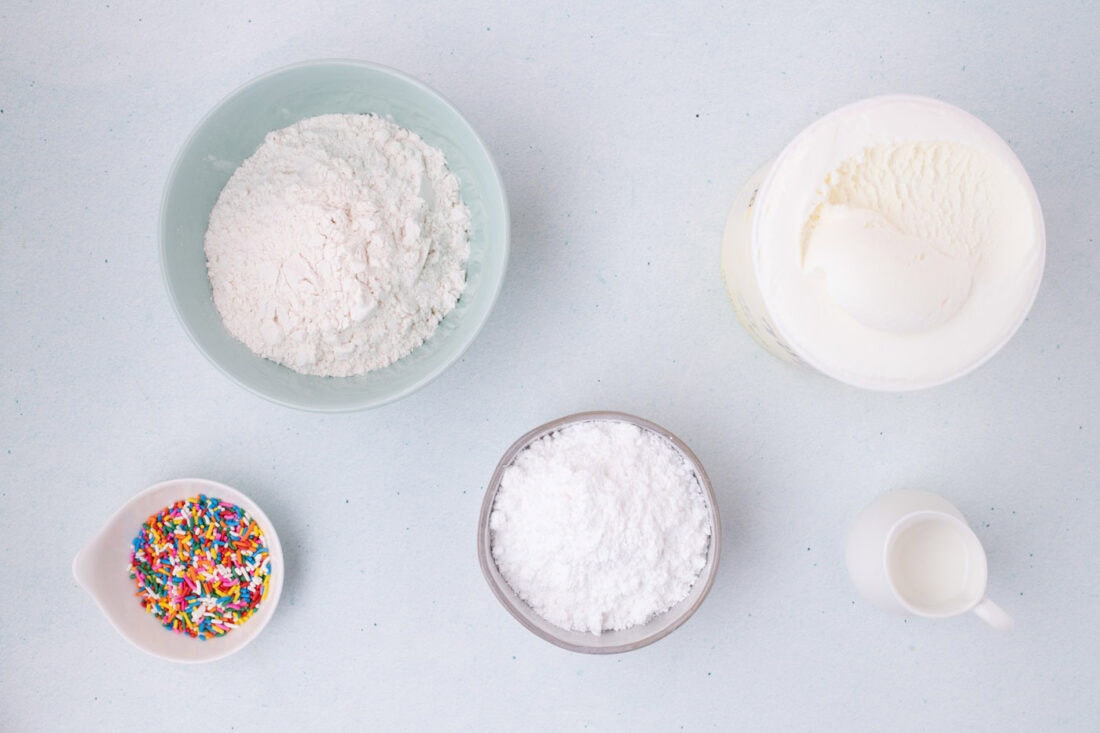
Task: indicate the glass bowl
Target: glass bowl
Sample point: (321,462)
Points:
(233,130)
(608,642)
(102,569)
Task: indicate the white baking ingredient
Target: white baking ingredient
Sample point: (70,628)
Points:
(600,526)
(899,232)
(896,243)
(339,245)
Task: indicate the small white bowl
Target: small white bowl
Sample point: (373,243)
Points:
(102,569)
(609,642)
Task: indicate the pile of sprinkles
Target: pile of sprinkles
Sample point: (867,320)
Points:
(201,566)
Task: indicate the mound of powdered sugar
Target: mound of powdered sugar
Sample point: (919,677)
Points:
(339,246)
(600,526)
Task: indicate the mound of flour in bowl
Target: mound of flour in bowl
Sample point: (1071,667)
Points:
(339,246)
(600,526)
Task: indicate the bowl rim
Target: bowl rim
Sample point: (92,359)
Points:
(354,405)
(169,491)
(508,597)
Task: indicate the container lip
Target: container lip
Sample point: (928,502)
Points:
(509,599)
(500,199)
(886,384)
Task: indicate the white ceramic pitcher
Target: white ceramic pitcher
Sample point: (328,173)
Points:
(912,552)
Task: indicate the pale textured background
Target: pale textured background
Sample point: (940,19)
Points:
(622,137)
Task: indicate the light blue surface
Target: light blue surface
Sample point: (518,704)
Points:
(623,133)
(233,130)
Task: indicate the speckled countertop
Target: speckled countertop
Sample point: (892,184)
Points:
(622,137)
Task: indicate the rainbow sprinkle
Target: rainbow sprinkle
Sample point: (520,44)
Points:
(201,566)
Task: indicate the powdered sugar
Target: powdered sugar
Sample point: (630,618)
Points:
(339,246)
(600,526)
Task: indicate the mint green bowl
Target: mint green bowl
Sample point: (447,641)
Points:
(234,129)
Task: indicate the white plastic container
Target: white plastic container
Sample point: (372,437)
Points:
(791,313)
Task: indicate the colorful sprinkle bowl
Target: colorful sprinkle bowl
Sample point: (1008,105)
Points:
(102,569)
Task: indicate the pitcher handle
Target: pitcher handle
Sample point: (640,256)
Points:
(993,615)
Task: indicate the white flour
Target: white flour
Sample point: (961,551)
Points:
(600,526)
(338,246)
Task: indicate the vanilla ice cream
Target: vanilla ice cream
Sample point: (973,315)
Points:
(896,243)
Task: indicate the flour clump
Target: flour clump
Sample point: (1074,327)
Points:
(339,245)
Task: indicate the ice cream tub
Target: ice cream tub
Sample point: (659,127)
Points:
(895,244)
